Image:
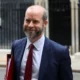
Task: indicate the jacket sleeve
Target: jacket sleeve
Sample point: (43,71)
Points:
(65,70)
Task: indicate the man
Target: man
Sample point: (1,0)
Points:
(50,60)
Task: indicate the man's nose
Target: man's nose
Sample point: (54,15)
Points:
(31,24)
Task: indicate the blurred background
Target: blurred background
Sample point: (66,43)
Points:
(63,27)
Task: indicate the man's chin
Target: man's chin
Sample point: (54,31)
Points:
(30,36)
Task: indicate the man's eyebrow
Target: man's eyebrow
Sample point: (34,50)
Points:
(35,20)
(27,19)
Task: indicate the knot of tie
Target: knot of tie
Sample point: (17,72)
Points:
(31,46)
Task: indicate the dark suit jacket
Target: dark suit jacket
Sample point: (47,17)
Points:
(55,62)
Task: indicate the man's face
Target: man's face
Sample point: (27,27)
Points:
(33,24)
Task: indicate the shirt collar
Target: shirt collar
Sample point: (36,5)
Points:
(38,44)
(28,43)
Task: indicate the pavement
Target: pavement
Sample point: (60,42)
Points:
(75,60)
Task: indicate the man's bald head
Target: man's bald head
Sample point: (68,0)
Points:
(39,10)
(35,22)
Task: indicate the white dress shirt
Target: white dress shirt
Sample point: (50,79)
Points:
(37,53)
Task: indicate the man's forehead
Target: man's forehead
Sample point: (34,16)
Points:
(35,9)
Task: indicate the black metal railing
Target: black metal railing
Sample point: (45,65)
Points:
(11,28)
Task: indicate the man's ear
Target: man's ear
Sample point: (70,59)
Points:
(45,23)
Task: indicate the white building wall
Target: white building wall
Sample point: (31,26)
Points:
(74,26)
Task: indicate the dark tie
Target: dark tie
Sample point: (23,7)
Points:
(28,69)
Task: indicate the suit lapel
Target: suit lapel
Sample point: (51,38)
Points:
(22,50)
(20,53)
(44,60)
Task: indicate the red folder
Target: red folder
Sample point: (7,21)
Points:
(9,67)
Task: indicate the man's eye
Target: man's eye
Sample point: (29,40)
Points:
(27,20)
(35,21)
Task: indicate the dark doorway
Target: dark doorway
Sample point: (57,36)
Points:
(60,21)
